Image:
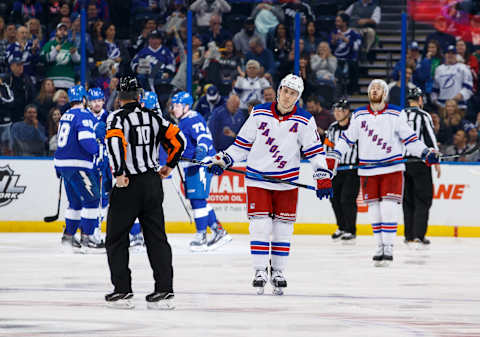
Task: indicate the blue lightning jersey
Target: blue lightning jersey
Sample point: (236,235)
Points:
(76,140)
(196,132)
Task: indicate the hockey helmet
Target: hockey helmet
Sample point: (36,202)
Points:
(95,93)
(293,82)
(383,84)
(182,97)
(414,93)
(77,93)
(127,84)
(150,100)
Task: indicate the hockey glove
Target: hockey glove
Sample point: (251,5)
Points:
(430,156)
(218,163)
(100,130)
(200,153)
(332,162)
(324,183)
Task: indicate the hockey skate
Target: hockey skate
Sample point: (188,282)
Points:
(90,244)
(259,281)
(421,244)
(378,257)
(119,300)
(387,255)
(160,301)
(348,239)
(70,243)
(220,238)
(137,243)
(199,243)
(337,235)
(278,281)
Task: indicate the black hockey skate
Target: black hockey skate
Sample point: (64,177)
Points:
(378,257)
(348,239)
(387,255)
(337,235)
(119,300)
(259,281)
(278,281)
(90,244)
(160,300)
(70,243)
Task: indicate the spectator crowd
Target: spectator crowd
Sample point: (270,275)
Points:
(235,65)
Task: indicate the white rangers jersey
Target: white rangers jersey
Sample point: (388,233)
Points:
(381,138)
(249,89)
(451,79)
(272,145)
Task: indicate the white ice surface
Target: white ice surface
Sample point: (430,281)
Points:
(333,290)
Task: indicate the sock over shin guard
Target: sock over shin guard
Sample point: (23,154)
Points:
(135,228)
(200,213)
(281,236)
(388,211)
(376,219)
(260,232)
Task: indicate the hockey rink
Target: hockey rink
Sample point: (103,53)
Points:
(333,290)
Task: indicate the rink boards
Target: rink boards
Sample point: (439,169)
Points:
(29,192)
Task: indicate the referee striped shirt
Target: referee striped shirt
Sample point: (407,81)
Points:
(134,135)
(421,122)
(332,135)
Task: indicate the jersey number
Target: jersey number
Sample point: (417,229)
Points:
(63,134)
(198,127)
(143,133)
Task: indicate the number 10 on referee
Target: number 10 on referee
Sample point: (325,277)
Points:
(134,135)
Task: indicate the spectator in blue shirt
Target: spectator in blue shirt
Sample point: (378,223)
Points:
(28,136)
(225,122)
(261,54)
(209,102)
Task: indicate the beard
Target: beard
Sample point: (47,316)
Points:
(375,100)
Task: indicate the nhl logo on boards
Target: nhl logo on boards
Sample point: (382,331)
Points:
(9,190)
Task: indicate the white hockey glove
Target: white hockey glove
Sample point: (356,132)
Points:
(218,163)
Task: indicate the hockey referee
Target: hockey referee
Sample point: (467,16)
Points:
(134,135)
(346,184)
(418,190)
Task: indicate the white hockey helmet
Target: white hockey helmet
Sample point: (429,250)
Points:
(293,82)
(384,86)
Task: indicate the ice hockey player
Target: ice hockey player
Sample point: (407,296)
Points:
(271,140)
(76,161)
(382,133)
(197,179)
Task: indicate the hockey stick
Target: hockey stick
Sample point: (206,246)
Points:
(182,200)
(55,217)
(255,175)
(409,160)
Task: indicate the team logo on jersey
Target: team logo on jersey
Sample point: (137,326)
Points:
(9,190)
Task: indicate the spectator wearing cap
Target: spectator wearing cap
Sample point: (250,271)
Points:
(26,50)
(60,56)
(453,80)
(440,35)
(261,54)
(251,86)
(225,122)
(209,102)
(26,9)
(205,9)
(215,33)
(28,136)
(365,15)
(242,38)
(21,86)
(154,62)
(323,117)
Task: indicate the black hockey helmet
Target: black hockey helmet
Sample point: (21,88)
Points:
(414,93)
(128,84)
(342,103)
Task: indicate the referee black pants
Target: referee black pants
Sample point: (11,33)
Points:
(142,198)
(346,185)
(417,199)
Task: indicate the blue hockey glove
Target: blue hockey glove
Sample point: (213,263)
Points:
(324,183)
(430,156)
(200,153)
(218,163)
(100,130)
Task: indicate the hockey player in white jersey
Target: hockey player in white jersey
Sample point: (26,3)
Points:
(382,133)
(271,141)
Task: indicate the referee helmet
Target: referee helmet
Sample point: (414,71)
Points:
(414,93)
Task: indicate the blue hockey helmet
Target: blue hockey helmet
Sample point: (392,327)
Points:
(182,97)
(77,93)
(150,100)
(95,93)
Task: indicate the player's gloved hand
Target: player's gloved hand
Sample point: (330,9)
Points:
(218,163)
(324,183)
(430,156)
(100,130)
(100,161)
(200,153)
(332,162)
